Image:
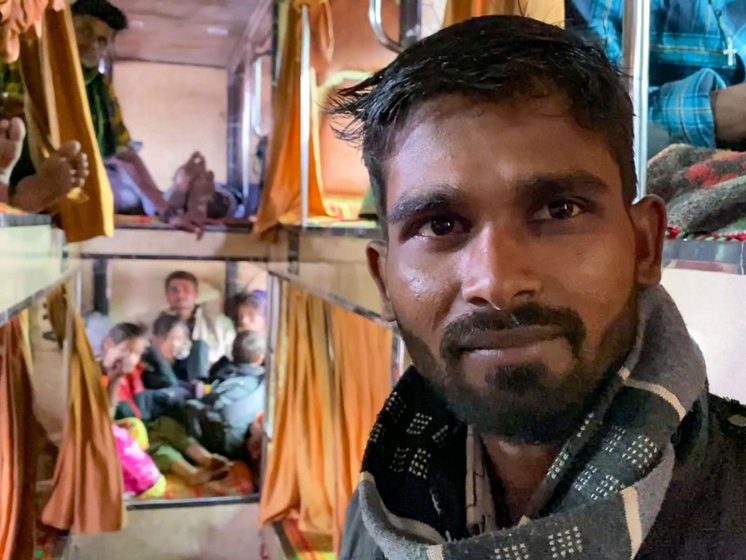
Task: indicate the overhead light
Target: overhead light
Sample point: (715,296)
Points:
(218,31)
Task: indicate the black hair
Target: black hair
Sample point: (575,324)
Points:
(166,322)
(181,275)
(489,59)
(103,10)
(248,347)
(254,299)
(122,332)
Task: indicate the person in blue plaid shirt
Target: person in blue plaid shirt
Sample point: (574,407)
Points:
(697,58)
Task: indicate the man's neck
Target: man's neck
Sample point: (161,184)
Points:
(520,468)
(186,314)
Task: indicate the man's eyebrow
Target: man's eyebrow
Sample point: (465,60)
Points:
(544,185)
(445,198)
(441,198)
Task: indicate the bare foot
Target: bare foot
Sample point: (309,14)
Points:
(183,178)
(218,462)
(12,133)
(200,193)
(203,476)
(63,171)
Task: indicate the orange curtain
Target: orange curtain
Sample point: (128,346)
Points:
(18,445)
(18,17)
(281,197)
(58,112)
(87,495)
(299,478)
(330,379)
(548,11)
(362,364)
(280,493)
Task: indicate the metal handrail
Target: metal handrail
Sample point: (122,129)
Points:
(635,49)
(376,22)
(305,113)
(256,98)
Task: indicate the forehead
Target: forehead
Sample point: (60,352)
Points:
(135,344)
(93,25)
(461,143)
(178,330)
(180,284)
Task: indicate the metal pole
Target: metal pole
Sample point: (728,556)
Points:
(410,23)
(376,23)
(305,113)
(101,285)
(256,106)
(245,142)
(635,48)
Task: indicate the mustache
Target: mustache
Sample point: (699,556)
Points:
(567,321)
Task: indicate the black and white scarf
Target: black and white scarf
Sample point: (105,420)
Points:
(600,497)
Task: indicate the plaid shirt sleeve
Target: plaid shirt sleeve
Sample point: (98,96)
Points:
(117,121)
(684,108)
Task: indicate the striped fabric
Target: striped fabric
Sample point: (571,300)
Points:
(688,58)
(599,499)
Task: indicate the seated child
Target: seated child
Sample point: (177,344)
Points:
(249,311)
(168,444)
(164,364)
(141,475)
(222,419)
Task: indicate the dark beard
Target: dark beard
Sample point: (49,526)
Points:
(523,404)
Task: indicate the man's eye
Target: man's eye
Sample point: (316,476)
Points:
(440,227)
(560,210)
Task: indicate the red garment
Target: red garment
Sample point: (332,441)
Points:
(130,386)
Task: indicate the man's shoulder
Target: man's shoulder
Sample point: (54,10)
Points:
(729,416)
(214,315)
(357,544)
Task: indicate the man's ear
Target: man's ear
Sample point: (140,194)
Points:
(377,252)
(649,221)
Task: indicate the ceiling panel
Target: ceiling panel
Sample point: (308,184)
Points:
(197,32)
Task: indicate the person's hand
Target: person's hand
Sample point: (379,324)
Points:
(729,111)
(116,371)
(254,441)
(193,222)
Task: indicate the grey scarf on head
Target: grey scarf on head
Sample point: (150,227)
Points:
(600,497)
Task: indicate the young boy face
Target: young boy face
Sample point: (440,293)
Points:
(125,355)
(170,345)
(250,319)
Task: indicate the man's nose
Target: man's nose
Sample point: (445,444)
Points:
(498,271)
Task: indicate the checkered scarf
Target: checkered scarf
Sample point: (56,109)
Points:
(599,498)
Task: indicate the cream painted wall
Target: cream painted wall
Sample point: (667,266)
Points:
(714,308)
(174,110)
(137,291)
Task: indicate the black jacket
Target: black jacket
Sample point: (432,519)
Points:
(703,516)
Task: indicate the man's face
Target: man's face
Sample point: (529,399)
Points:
(94,38)
(512,261)
(181,296)
(170,345)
